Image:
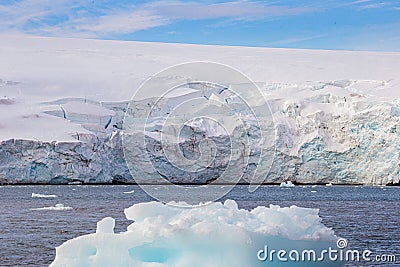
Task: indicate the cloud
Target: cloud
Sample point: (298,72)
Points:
(295,40)
(234,9)
(374,4)
(74,18)
(19,13)
(121,22)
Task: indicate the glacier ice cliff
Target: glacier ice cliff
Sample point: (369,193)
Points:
(334,131)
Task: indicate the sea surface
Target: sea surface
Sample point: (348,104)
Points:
(368,217)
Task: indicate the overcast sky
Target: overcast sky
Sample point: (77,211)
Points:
(330,24)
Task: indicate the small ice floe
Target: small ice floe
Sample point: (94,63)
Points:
(129,192)
(329,184)
(43,196)
(287,184)
(314,186)
(56,207)
(75,183)
(313,191)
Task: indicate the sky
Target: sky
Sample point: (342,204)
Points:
(311,24)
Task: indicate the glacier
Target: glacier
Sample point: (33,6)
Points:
(335,114)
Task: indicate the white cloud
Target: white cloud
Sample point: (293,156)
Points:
(118,22)
(89,19)
(124,22)
(233,9)
(295,40)
(373,5)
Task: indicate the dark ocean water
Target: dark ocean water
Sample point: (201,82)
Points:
(368,217)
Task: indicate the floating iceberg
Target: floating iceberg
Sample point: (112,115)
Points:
(75,183)
(43,196)
(287,184)
(56,207)
(211,235)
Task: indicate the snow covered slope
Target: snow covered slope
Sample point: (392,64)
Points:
(62,103)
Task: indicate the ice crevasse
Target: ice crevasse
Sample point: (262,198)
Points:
(217,234)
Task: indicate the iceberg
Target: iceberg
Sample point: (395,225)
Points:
(34,195)
(57,207)
(216,234)
(287,184)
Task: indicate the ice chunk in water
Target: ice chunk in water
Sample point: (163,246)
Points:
(220,235)
(56,207)
(43,196)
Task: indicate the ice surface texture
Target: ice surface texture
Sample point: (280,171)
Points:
(217,234)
